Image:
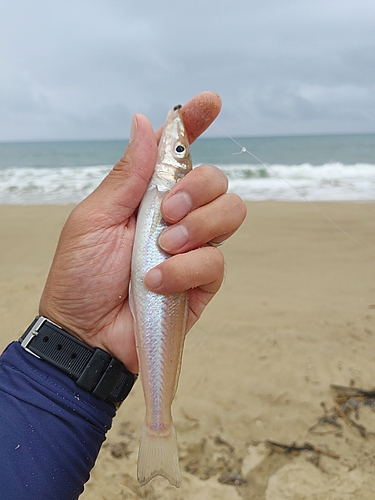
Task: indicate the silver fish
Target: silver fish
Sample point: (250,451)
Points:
(160,320)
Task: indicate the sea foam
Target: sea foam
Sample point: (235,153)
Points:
(328,182)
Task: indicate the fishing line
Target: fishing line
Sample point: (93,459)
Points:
(301,195)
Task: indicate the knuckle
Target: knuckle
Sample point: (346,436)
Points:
(214,173)
(211,174)
(123,164)
(216,260)
(237,206)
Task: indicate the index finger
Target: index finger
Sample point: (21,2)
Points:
(198,114)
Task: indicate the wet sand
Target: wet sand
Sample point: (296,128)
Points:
(296,314)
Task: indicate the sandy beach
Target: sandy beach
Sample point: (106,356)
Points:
(296,314)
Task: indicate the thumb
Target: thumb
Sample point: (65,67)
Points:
(120,193)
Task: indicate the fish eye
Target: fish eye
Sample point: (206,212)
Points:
(181,151)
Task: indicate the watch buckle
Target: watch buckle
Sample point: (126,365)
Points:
(33,333)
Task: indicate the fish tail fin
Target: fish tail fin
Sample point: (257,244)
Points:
(158,456)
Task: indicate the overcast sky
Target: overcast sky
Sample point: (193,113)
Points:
(79,69)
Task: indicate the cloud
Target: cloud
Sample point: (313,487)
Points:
(77,70)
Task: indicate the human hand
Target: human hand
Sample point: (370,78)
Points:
(87,287)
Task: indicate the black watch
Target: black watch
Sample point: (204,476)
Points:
(94,370)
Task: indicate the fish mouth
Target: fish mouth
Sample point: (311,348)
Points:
(178,106)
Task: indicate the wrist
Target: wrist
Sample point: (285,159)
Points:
(92,369)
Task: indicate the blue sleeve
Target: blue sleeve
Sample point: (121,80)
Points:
(51,431)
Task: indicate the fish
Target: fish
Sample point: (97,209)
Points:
(160,320)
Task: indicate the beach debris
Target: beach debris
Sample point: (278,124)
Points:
(215,456)
(348,400)
(233,478)
(120,450)
(354,396)
(314,452)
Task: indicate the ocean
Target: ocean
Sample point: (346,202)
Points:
(313,168)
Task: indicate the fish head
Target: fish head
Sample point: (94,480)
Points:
(174,160)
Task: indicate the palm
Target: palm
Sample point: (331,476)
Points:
(91,272)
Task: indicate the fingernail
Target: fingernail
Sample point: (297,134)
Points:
(133,130)
(178,205)
(153,279)
(174,238)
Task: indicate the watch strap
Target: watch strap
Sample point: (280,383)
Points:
(93,369)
